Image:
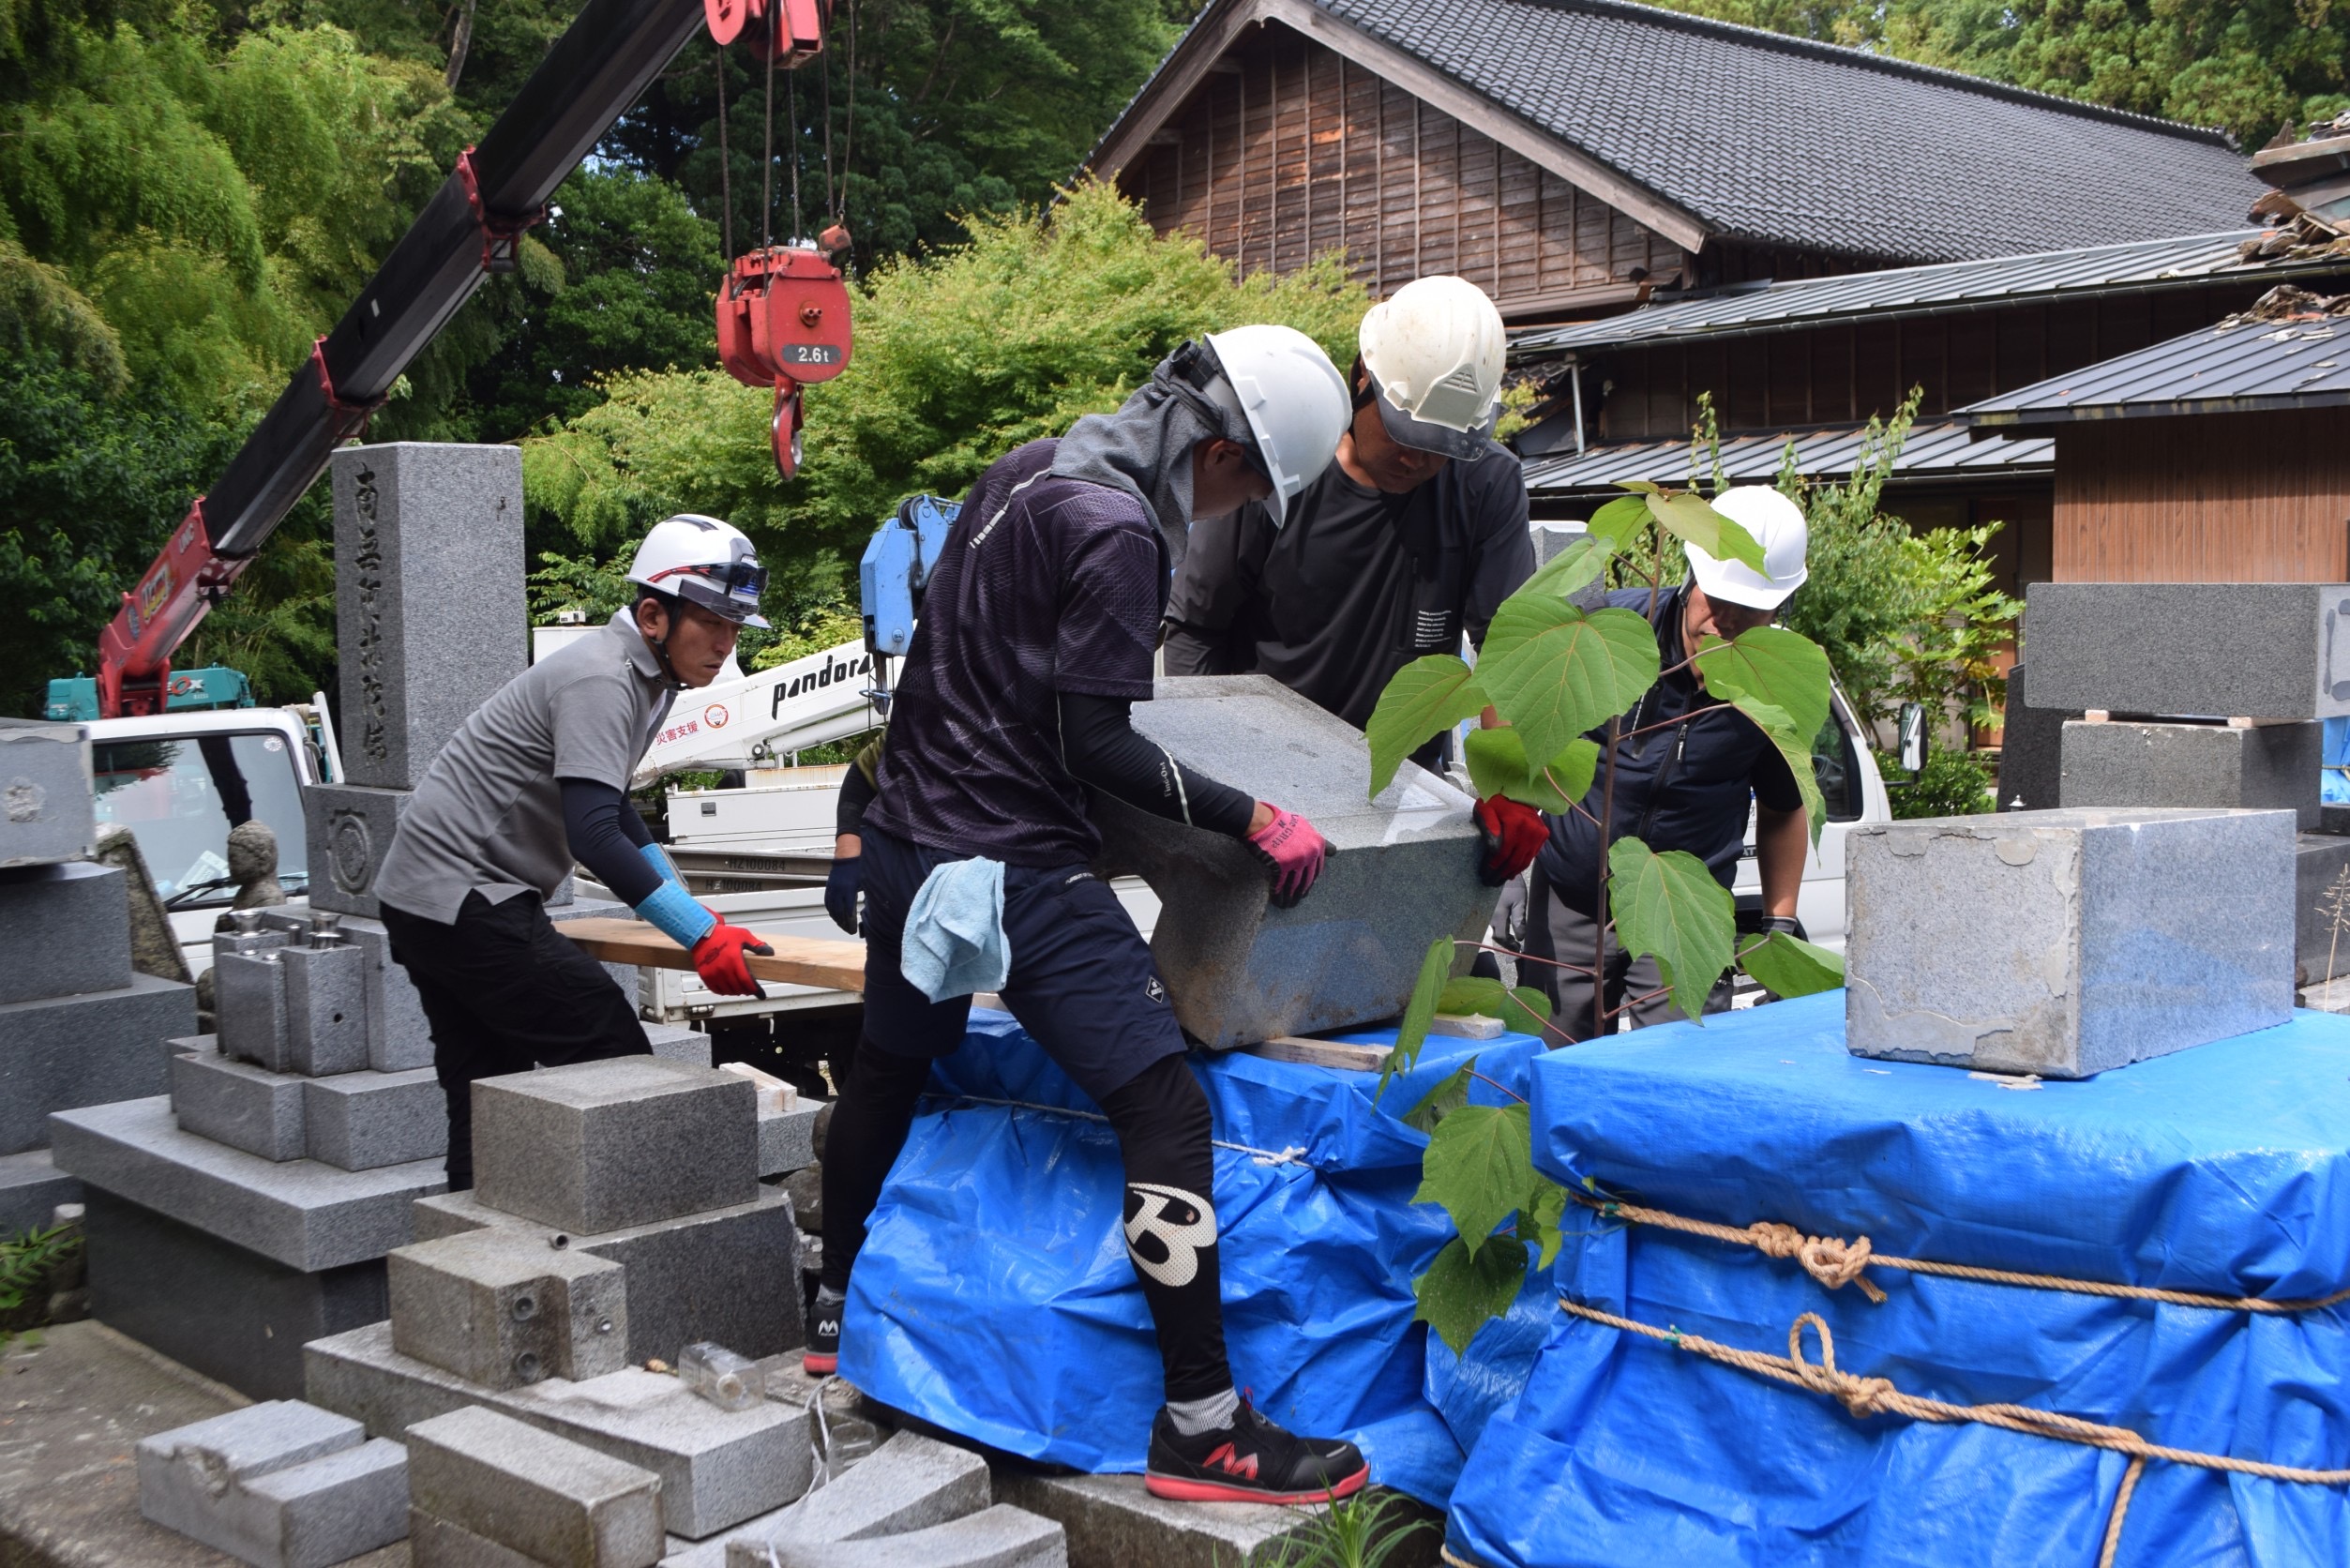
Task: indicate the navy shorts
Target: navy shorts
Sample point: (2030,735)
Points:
(1082,983)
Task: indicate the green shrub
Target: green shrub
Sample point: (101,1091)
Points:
(1952,784)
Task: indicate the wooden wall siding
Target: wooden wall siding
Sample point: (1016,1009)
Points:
(1289,150)
(2213,498)
(1846,374)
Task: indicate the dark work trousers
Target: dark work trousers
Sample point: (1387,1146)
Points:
(1083,986)
(505,992)
(1554,930)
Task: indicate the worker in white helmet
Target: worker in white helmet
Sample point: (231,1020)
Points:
(1683,780)
(536,780)
(1036,637)
(1409,540)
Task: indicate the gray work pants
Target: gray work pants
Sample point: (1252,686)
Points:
(1554,930)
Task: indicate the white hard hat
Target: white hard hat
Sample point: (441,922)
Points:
(1294,400)
(703,561)
(1435,351)
(1777,525)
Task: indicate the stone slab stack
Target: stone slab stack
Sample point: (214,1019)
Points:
(618,1216)
(281,1484)
(78,1025)
(1402,869)
(489,1491)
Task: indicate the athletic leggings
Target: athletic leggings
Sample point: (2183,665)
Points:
(1163,1131)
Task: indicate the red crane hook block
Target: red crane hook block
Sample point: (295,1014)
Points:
(783,322)
(795,27)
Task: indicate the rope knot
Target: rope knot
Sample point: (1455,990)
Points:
(1831,1259)
(1773,1239)
(1862,1397)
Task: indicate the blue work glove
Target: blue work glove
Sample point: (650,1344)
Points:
(840,893)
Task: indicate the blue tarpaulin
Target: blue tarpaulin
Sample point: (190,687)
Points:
(995,1299)
(2223,1169)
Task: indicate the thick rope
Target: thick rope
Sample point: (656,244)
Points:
(1294,1154)
(1835,1262)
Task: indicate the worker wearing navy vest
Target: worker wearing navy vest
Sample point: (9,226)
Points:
(1413,537)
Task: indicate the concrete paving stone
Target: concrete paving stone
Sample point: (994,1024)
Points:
(350,829)
(501,1307)
(46,811)
(2130,764)
(86,1051)
(2320,907)
(326,1019)
(910,1482)
(365,1120)
(249,999)
(787,1141)
(998,1537)
(237,1103)
(1114,1519)
(624,1141)
(675,1042)
(303,1213)
(435,1542)
(64,930)
(31,1187)
(1402,869)
(2093,938)
(534,1492)
(727,1275)
(2214,650)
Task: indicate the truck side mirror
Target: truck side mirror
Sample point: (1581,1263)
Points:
(1913,738)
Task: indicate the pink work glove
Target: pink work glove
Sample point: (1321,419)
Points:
(1291,851)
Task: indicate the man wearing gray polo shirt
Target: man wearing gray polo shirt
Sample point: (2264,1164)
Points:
(535,780)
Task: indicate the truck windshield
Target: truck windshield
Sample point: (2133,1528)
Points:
(182,794)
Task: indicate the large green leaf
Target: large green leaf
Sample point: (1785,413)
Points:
(1696,522)
(1669,906)
(1441,1101)
(1480,1166)
(1463,1291)
(1497,766)
(1789,966)
(1774,665)
(1795,745)
(1425,698)
(1521,1008)
(1554,671)
(1435,968)
(1571,569)
(1618,521)
(1540,1220)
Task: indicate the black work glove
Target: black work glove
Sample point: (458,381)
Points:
(1753,923)
(840,893)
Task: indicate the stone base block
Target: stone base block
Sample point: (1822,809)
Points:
(2320,907)
(501,1308)
(2218,650)
(787,1141)
(2067,943)
(398,1039)
(2268,767)
(998,1537)
(435,1542)
(603,1145)
(31,1187)
(1402,869)
(235,1316)
(278,1484)
(2032,750)
(535,1493)
(350,828)
(64,930)
(237,1103)
(248,1000)
(675,1042)
(365,1121)
(304,1214)
(1112,1518)
(729,1276)
(47,810)
(86,1051)
(326,1016)
(910,1482)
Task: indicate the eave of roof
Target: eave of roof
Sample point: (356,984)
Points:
(2251,367)
(1936,450)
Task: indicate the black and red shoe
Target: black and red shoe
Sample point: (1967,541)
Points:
(1252,1460)
(822,1358)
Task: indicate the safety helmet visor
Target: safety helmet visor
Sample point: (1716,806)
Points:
(731,589)
(1465,441)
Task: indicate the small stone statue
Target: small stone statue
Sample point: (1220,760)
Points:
(253,864)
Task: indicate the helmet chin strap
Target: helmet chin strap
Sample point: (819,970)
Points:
(660,646)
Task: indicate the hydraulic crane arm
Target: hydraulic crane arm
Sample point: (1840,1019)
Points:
(500,187)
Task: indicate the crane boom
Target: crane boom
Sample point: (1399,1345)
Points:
(590,77)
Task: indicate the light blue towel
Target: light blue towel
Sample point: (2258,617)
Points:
(955,941)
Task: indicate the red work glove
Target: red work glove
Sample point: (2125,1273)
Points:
(1510,835)
(1292,851)
(719,959)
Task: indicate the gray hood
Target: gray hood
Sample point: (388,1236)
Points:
(1145,447)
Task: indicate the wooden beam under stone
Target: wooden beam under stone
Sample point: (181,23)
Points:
(1321,1053)
(834,962)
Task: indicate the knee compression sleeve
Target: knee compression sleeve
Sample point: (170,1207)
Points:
(868,1128)
(1166,1134)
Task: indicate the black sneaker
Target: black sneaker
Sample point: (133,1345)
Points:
(1252,1460)
(823,1340)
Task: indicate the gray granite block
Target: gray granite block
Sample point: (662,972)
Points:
(264,936)
(675,1042)
(2213,650)
(787,1141)
(305,1216)
(334,1509)
(237,1103)
(325,1000)
(64,930)
(624,1141)
(728,1276)
(356,1373)
(2031,751)
(350,827)
(998,1537)
(501,1307)
(429,602)
(2127,763)
(1114,1518)
(398,1039)
(86,1051)
(2067,943)
(435,1542)
(278,1485)
(46,811)
(536,1493)
(31,1187)
(1402,869)
(2320,907)
(910,1482)
(365,1120)
(249,1000)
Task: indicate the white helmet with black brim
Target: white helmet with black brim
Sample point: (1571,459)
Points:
(704,562)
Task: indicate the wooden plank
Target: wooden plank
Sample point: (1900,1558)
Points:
(835,962)
(1321,1053)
